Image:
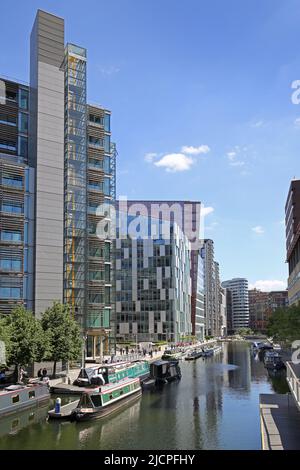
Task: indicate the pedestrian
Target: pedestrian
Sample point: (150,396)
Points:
(40,374)
(44,372)
(126,349)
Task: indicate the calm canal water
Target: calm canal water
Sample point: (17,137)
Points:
(214,406)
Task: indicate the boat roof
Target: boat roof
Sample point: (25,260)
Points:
(160,363)
(111,386)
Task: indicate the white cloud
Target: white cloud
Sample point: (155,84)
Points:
(257,123)
(149,157)
(206,210)
(237,163)
(174,162)
(108,70)
(190,150)
(258,229)
(268,285)
(231,155)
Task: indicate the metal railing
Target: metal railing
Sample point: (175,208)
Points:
(293,382)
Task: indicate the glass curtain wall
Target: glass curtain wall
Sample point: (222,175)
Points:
(75,249)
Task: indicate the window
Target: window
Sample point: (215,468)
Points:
(96,119)
(107,122)
(107,273)
(8,120)
(106,186)
(95,141)
(12,207)
(107,143)
(11,95)
(106,165)
(23,98)
(10,292)
(15,181)
(96,275)
(8,145)
(15,398)
(10,264)
(96,399)
(23,122)
(95,163)
(7,236)
(95,298)
(23,146)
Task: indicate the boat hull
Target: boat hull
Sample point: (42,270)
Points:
(107,410)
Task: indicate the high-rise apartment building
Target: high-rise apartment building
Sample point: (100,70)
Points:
(57,166)
(239,302)
(292,224)
(16,199)
(223,311)
(211,289)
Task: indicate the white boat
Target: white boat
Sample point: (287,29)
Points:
(18,397)
(217,349)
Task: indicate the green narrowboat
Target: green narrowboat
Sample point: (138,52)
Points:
(100,402)
(112,373)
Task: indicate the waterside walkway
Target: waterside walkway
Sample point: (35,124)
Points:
(280,422)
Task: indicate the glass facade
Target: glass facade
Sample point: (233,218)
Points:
(153,287)
(75,240)
(13,195)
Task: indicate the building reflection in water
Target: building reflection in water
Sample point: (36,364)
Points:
(240,378)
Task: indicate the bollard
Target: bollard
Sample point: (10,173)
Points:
(57,405)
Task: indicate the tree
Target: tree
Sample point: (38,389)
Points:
(284,324)
(244,331)
(64,333)
(24,337)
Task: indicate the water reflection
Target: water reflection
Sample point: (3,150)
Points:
(207,409)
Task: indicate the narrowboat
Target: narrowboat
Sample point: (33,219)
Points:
(192,356)
(217,349)
(162,372)
(208,352)
(112,373)
(18,397)
(273,360)
(172,354)
(102,401)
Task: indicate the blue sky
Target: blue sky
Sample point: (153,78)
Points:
(204,87)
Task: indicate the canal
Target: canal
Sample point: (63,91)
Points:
(214,406)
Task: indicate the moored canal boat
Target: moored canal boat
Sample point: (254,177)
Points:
(273,360)
(162,372)
(192,356)
(208,352)
(112,373)
(18,397)
(101,401)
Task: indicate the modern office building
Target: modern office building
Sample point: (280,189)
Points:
(57,165)
(292,224)
(153,281)
(262,305)
(239,302)
(186,215)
